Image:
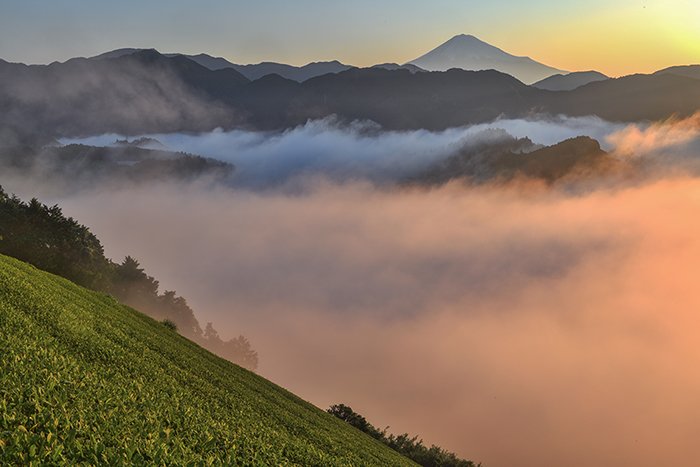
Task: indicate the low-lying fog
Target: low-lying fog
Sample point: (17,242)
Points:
(359,150)
(515,324)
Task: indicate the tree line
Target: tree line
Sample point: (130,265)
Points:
(44,237)
(406,445)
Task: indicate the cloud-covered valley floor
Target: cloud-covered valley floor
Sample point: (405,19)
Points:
(517,324)
(360,150)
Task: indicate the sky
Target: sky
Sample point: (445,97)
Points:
(613,36)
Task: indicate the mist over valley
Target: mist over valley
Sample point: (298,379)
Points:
(474,247)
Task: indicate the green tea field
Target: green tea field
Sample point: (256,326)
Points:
(85,380)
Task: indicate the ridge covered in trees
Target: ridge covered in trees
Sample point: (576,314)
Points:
(44,237)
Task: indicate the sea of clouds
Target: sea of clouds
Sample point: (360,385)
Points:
(359,150)
(516,324)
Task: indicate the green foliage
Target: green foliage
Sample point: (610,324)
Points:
(411,447)
(348,415)
(44,237)
(131,285)
(169,324)
(87,381)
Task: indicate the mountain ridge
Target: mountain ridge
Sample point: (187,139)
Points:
(470,53)
(147,92)
(689,71)
(251,71)
(570,81)
(488,57)
(508,158)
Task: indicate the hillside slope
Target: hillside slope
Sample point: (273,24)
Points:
(84,379)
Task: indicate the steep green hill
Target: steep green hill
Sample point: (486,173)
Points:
(85,380)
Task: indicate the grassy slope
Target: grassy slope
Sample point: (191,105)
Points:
(86,380)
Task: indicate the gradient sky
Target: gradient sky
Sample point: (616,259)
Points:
(614,36)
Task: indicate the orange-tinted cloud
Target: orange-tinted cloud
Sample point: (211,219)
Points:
(656,138)
(515,325)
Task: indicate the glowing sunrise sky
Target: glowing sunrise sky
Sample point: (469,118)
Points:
(613,36)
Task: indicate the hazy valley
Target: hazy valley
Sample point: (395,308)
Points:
(472,246)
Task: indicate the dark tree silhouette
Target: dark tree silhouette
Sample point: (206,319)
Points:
(411,447)
(237,349)
(43,236)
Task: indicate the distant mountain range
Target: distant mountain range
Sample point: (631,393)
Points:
(396,66)
(252,72)
(570,81)
(259,70)
(470,53)
(689,71)
(464,52)
(147,92)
